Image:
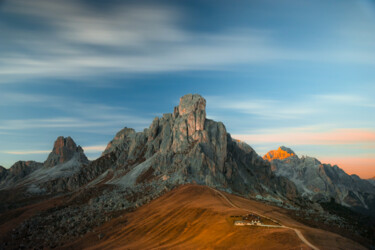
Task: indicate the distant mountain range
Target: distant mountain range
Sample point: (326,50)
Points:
(136,167)
(323,182)
(177,148)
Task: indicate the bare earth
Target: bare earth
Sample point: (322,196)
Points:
(197,217)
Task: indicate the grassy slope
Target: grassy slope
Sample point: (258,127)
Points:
(196,217)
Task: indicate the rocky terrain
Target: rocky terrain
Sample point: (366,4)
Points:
(49,204)
(323,182)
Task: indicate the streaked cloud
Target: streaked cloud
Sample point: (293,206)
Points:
(70,122)
(265,108)
(87,149)
(345,99)
(77,41)
(94,149)
(27,152)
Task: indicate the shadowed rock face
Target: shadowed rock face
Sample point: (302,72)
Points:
(321,182)
(64,150)
(3,171)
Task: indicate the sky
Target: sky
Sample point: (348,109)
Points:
(294,73)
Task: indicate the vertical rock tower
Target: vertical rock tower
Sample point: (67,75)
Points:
(64,150)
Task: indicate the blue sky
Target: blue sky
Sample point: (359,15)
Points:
(294,73)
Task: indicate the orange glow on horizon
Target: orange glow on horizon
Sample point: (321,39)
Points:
(337,136)
(363,167)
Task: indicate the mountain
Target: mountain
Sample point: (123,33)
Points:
(321,182)
(178,148)
(64,150)
(136,167)
(185,147)
(34,178)
(281,153)
(67,196)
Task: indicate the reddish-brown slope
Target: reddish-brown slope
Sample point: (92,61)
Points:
(192,217)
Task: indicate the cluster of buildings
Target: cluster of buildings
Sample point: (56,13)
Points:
(248,220)
(247,223)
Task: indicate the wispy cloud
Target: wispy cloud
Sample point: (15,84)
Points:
(143,38)
(345,99)
(76,41)
(94,149)
(81,115)
(265,108)
(27,152)
(87,149)
(70,122)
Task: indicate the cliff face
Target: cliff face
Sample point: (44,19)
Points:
(185,147)
(321,182)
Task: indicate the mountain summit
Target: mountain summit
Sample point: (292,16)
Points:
(321,182)
(64,150)
(186,147)
(281,153)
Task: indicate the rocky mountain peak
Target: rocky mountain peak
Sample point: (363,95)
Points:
(65,149)
(192,108)
(280,154)
(185,147)
(191,103)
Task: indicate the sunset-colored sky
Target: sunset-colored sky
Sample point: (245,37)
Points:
(294,73)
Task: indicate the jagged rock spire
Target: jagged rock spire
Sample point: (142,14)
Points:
(194,107)
(65,149)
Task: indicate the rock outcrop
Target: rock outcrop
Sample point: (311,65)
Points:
(64,150)
(321,182)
